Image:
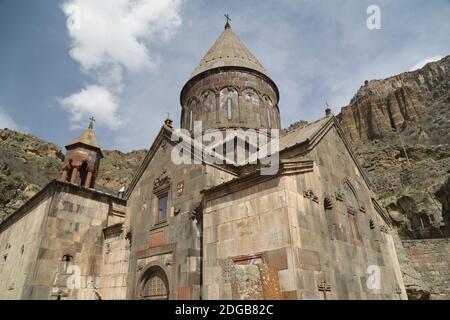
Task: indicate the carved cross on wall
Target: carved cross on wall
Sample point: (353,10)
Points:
(324,287)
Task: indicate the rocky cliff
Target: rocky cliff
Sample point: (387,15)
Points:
(28,163)
(401,133)
(412,105)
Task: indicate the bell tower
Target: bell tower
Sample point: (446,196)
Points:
(82,159)
(230,89)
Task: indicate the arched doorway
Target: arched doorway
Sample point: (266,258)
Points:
(154,285)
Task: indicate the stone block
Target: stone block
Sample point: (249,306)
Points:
(157,239)
(184,293)
(309,259)
(287,280)
(278,258)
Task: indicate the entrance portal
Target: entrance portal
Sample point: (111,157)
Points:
(155,285)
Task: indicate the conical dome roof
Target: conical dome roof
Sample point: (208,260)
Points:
(228,51)
(88,138)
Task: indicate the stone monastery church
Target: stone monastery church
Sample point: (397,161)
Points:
(313,230)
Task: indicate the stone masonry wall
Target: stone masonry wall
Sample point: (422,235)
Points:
(431,258)
(19,245)
(312,235)
(171,246)
(340,230)
(114,269)
(246,252)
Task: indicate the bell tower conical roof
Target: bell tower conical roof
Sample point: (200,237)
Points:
(87,138)
(228,51)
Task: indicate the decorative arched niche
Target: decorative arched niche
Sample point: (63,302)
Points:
(251,105)
(350,198)
(352,205)
(191,114)
(208,101)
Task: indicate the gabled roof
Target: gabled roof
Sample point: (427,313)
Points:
(228,51)
(311,134)
(166,133)
(302,134)
(87,138)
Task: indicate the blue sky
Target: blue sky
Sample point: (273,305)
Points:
(125,61)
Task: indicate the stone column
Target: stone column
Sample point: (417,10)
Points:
(64,175)
(88,179)
(74,177)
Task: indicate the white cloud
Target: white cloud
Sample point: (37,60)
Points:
(423,62)
(109,37)
(6,121)
(93,100)
(114,31)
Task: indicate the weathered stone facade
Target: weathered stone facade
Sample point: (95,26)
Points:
(313,227)
(313,230)
(57,234)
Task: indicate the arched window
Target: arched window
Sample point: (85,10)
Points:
(228,104)
(268,106)
(191,120)
(155,285)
